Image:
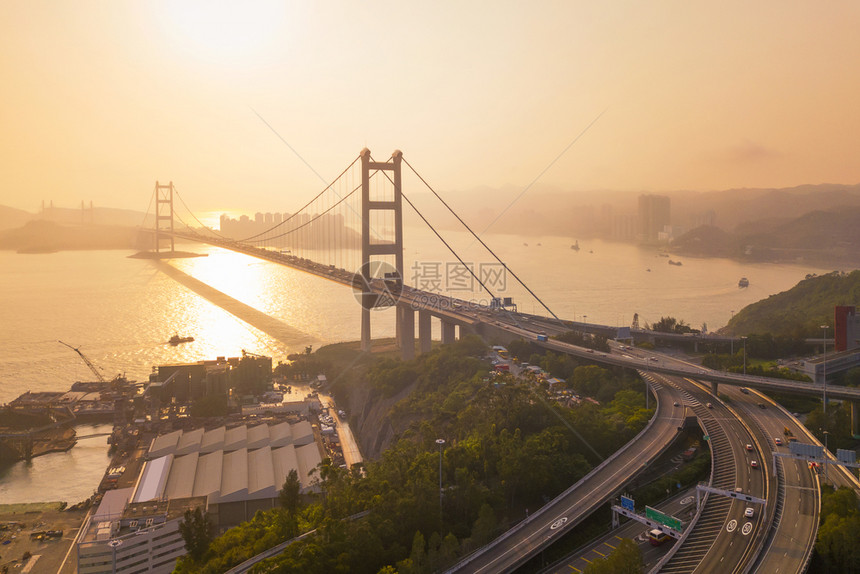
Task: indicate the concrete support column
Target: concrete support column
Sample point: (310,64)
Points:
(447,332)
(424,331)
(406,337)
(365,329)
(714,388)
(855,418)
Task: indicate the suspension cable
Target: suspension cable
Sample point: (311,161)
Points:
(305,205)
(176,191)
(481,241)
(433,229)
(305,224)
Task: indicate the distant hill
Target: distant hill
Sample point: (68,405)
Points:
(11,217)
(800,311)
(46,236)
(824,237)
(735,207)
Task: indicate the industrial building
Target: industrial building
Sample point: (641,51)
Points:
(230,472)
(122,536)
(248,374)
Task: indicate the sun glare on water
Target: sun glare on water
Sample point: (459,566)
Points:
(226,32)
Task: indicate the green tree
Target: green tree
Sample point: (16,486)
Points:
(197,532)
(836,544)
(625,559)
(485,526)
(290,494)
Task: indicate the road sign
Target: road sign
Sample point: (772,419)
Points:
(706,438)
(627,502)
(844,455)
(808,450)
(657,516)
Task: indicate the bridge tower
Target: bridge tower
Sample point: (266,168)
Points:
(371,250)
(163,215)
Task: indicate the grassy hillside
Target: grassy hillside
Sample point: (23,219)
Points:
(800,311)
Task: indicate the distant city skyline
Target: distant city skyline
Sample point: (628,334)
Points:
(102,99)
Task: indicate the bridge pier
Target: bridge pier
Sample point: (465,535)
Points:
(365,326)
(855,418)
(714,388)
(424,331)
(406,333)
(447,332)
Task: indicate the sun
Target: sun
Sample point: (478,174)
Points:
(226,31)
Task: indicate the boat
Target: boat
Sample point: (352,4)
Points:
(677,263)
(176,339)
(575,246)
(744,282)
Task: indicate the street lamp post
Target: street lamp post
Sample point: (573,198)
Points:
(440,442)
(824,372)
(826,454)
(732,336)
(745,354)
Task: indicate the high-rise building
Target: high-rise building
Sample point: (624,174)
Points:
(654,217)
(846,328)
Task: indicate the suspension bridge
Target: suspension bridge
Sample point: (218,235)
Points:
(351,233)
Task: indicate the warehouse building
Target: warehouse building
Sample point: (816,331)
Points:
(230,473)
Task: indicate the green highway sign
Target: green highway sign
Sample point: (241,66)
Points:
(657,516)
(706,437)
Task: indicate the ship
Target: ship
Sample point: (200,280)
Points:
(677,263)
(176,339)
(575,246)
(744,282)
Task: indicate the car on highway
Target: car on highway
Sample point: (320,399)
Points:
(676,404)
(709,405)
(745,390)
(754,464)
(777,441)
(762,406)
(749,447)
(749,512)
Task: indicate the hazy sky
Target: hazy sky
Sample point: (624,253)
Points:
(100,99)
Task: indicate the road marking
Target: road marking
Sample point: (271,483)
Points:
(747,528)
(619,538)
(610,545)
(601,553)
(558,523)
(687,500)
(730,527)
(575,568)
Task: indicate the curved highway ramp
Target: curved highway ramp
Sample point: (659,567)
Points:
(548,524)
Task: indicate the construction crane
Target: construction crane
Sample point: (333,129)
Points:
(87,361)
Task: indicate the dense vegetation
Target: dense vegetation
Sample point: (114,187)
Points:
(508,447)
(836,546)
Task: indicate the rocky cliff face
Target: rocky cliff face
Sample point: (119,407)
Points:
(370,417)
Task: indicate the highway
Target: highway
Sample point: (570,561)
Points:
(681,505)
(723,539)
(796,498)
(554,519)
